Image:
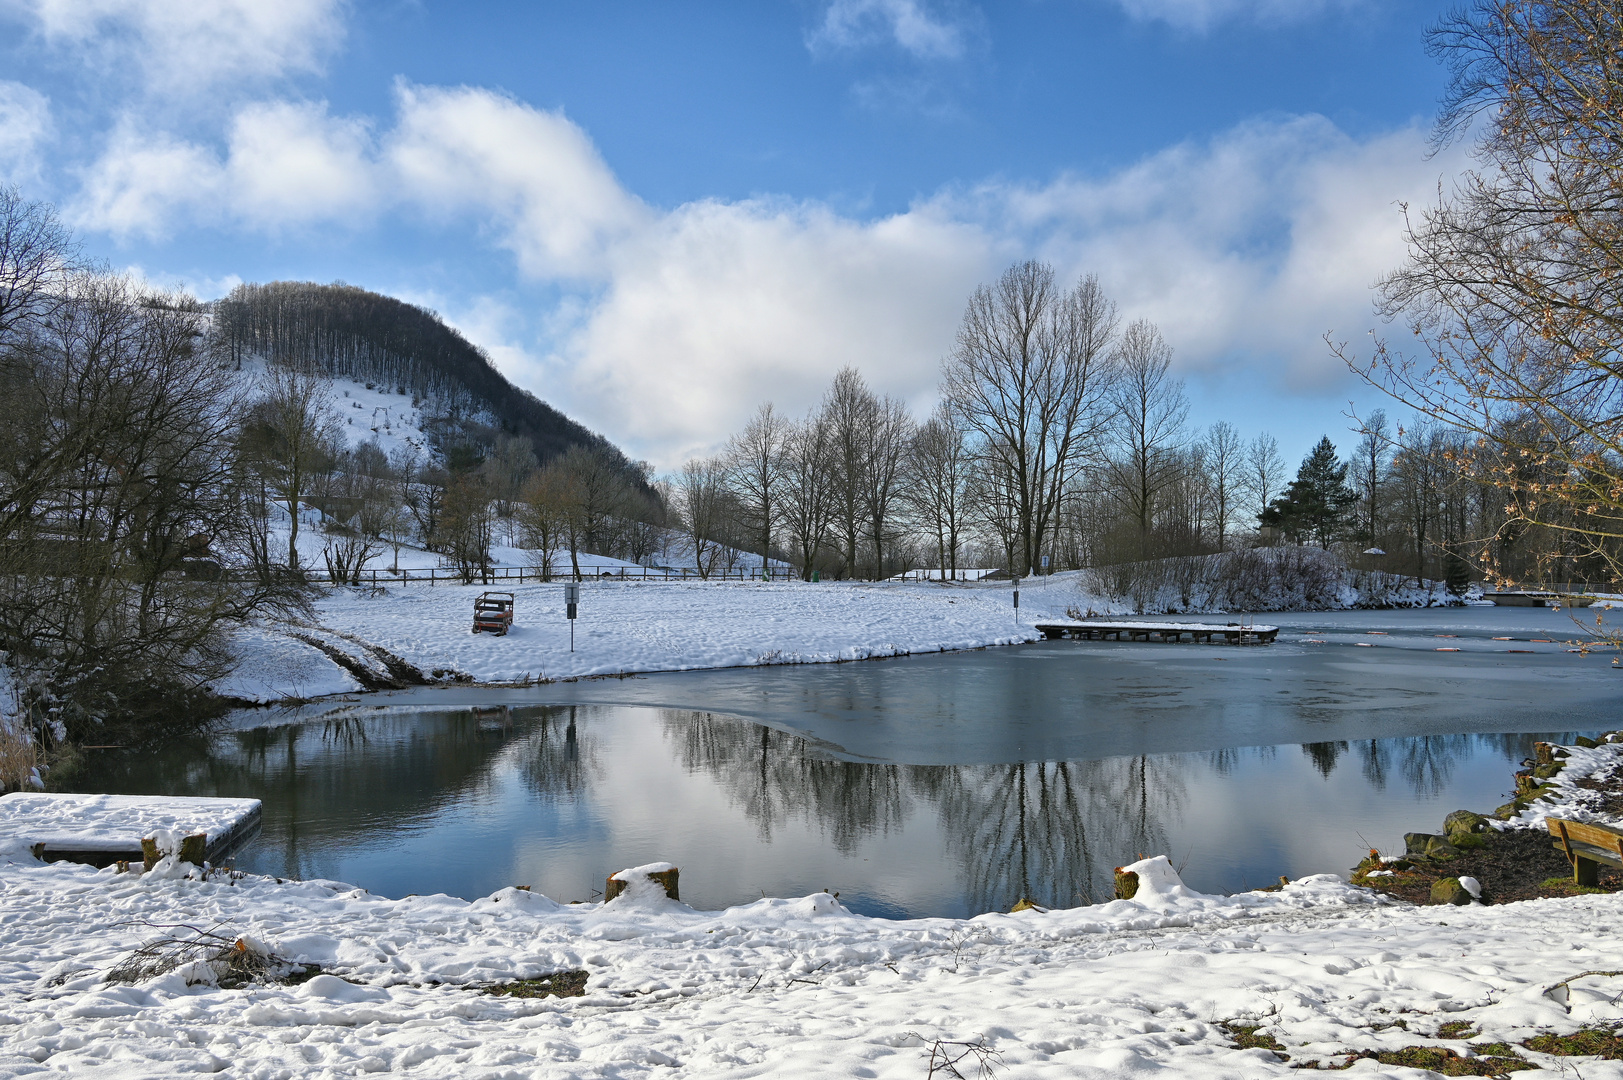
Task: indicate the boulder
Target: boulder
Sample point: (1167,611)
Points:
(1464,821)
(1448,890)
(1428,846)
(1126,884)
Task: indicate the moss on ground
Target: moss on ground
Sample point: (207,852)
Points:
(1442,1060)
(558,984)
(1590,1042)
(1246,1037)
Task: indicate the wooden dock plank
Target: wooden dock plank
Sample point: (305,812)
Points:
(1203,633)
(103,829)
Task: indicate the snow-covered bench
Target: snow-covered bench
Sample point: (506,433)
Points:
(1586,847)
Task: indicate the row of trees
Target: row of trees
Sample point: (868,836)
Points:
(1060,436)
(116,485)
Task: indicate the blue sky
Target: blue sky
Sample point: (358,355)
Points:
(657,215)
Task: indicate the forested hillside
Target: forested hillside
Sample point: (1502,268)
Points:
(351,333)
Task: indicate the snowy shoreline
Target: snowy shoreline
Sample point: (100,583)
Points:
(636,627)
(1322,969)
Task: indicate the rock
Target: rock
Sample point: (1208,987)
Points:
(1507,811)
(1464,821)
(1469,841)
(1428,846)
(1126,884)
(1023,905)
(1448,890)
(1544,772)
(1586,742)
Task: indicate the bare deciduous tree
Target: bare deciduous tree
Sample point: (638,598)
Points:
(1028,374)
(939,474)
(1514,281)
(755,469)
(1147,428)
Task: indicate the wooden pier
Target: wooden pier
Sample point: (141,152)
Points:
(103,829)
(1204,633)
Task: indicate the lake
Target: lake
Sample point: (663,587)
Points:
(946,784)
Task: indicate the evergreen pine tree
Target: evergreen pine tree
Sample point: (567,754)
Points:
(1317,501)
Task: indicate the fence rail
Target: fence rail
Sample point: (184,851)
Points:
(495,575)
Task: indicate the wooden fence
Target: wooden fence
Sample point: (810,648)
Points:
(496,575)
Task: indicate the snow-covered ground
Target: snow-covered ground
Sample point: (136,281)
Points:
(789,987)
(635,626)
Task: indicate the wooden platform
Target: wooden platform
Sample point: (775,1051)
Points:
(103,829)
(1204,633)
(1533,598)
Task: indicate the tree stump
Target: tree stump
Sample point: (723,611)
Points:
(665,878)
(192,850)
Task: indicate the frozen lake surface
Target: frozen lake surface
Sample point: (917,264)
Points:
(935,785)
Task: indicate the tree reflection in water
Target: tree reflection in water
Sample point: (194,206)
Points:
(1048,831)
(774,777)
(1052,831)
(556,761)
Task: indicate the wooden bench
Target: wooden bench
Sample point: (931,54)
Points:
(1586,847)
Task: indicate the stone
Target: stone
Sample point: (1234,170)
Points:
(1024,905)
(1448,890)
(1586,742)
(1544,772)
(1428,845)
(1464,821)
(1507,811)
(1126,884)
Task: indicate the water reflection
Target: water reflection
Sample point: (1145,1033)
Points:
(468,801)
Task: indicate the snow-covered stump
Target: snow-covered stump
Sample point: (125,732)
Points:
(642,881)
(189,849)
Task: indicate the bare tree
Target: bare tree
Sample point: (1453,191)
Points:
(1264,472)
(37,255)
(542,514)
(1147,427)
(1369,464)
(808,489)
(1028,375)
(850,411)
(755,470)
(701,494)
(1225,466)
(594,493)
(888,439)
(1514,281)
(939,475)
(293,433)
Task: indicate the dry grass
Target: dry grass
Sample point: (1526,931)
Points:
(18,756)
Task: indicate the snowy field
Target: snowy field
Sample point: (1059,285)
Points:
(635,626)
(791,988)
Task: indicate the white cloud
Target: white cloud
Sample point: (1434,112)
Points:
(184,50)
(720,306)
(558,205)
(1201,15)
(25,123)
(292,164)
(284,165)
(1251,246)
(142,179)
(909,24)
(664,328)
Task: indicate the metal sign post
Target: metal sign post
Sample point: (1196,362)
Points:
(1016,600)
(571,599)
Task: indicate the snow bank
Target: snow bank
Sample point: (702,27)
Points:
(779,987)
